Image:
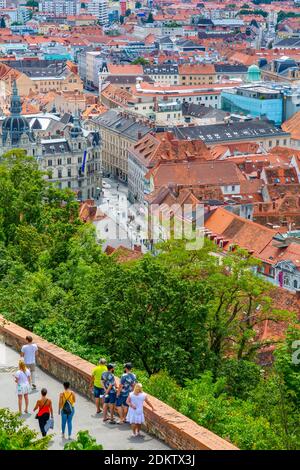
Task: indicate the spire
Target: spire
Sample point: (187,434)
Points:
(15,102)
(15,126)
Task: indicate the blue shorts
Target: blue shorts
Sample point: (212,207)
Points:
(110,398)
(98,392)
(121,400)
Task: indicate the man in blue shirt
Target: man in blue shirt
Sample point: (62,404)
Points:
(109,384)
(126,386)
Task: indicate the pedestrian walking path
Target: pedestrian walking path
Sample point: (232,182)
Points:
(112,437)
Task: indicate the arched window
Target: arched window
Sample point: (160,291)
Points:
(295,284)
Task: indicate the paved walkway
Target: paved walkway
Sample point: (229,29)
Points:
(112,437)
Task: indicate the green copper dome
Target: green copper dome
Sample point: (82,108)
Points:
(254,73)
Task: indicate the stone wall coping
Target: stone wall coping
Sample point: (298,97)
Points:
(163,417)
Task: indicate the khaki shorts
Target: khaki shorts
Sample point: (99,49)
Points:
(31,367)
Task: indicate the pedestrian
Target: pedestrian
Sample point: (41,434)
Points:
(23,381)
(45,410)
(28,352)
(66,409)
(96,384)
(136,401)
(126,386)
(109,385)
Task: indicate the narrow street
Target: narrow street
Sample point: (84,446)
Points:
(128,217)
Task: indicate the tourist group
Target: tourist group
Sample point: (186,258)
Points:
(126,397)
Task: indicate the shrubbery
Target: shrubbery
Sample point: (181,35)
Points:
(185,323)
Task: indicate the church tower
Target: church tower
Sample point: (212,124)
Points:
(15,128)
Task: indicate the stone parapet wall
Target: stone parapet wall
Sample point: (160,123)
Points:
(178,431)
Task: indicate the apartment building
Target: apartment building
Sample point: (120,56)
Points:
(40,76)
(165,74)
(99,9)
(69,154)
(197,74)
(60,7)
(118,131)
(261,132)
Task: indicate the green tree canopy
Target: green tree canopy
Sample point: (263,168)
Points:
(141,60)
(150,18)
(188,319)
(32,3)
(15,435)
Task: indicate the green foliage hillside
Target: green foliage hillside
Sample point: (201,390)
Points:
(15,435)
(187,321)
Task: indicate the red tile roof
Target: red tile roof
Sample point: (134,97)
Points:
(196,173)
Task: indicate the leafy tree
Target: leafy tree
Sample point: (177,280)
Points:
(150,18)
(263,421)
(244,11)
(282,15)
(242,377)
(14,435)
(237,300)
(32,3)
(287,358)
(138,5)
(141,60)
(84,441)
(186,318)
(162,316)
(36,218)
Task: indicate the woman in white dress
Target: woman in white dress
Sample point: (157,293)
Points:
(135,415)
(23,381)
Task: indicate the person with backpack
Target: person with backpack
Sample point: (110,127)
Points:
(109,384)
(44,407)
(66,409)
(127,383)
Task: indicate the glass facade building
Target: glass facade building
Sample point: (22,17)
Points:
(257,101)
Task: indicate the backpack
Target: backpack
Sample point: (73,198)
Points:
(67,408)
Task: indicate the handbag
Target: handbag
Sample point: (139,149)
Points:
(37,415)
(49,424)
